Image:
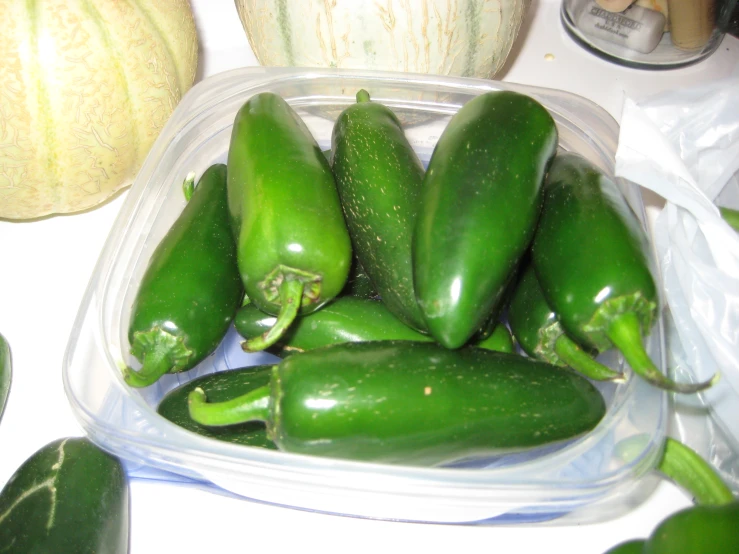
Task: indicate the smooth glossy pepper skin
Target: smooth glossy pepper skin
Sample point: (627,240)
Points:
(190,290)
(413,403)
(480,202)
(590,258)
(694,530)
(69,497)
(6,373)
(220,386)
(379,178)
(538,331)
(294,250)
(345,319)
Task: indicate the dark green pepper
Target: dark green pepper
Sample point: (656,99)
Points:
(480,201)
(69,497)
(220,386)
(590,257)
(294,250)
(191,289)
(345,319)
(379,177)
(412,403)
(6,373)
(539,333)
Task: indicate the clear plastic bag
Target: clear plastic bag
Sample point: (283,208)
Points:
(684,146)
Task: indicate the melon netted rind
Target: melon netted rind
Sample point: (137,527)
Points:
(85,89)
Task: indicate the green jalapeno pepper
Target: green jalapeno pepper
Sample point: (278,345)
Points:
(220,386)
(6,369)
(412,402)
(708,528)
(190,290)
(480,201)
(379,177)
(590,258)
(69,497)
(539,333)
(345,319)
(294,250)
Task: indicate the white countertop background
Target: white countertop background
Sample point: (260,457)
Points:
(45,266)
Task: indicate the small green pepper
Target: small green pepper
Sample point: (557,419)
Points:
(294,250)
(539,333)
(6,369)
(590,258)
(412,403)
(191,288)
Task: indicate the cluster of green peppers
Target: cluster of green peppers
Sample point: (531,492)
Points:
(361,261)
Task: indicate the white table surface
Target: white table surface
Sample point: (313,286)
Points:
(45,266)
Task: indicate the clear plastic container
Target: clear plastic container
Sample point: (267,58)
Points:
(588,479)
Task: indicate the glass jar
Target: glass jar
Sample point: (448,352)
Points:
(648,34)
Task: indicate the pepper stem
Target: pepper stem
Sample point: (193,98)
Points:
(688,470)
(155,364)
(188,186)
(159,352)
(291,295)
(252,406)
(625,332)
(574,356)
(363,96)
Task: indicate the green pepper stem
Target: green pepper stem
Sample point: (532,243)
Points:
(252,406)
(363,96)
(574,356)
(291,295)
(688,470)
(155,364)
(625,332)
(188,186)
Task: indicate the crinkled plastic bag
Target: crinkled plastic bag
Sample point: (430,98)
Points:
(684,146)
